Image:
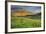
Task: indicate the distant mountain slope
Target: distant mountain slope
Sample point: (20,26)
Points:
(21,12)
(38,14)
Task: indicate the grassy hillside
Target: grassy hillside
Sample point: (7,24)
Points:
(21,22)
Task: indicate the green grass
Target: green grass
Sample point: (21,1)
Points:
(21,22)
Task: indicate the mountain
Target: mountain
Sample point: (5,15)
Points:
(38,14)
(21,12)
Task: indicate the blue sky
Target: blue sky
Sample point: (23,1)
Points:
(29,8)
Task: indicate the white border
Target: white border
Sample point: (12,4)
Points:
(24,29)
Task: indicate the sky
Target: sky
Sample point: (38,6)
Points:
(35,9)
